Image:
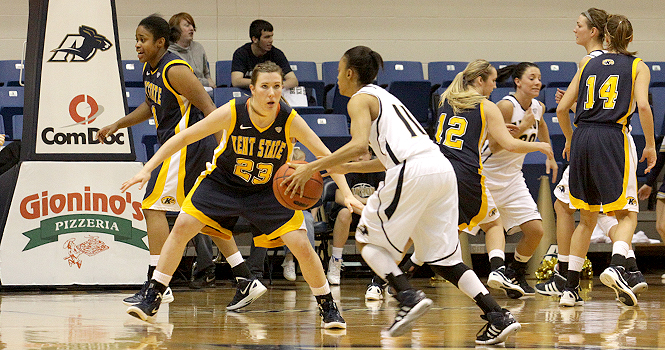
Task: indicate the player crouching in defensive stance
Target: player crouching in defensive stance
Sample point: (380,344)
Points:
(255,137)
(418,199)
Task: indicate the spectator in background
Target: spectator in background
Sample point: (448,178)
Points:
(258,51)
(362,186)
(183,44)
(9,155)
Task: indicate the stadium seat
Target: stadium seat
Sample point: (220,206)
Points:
(17,127)
(10,73)
(443,72)
(548,95)
(135,96)
(657,73)
(223,73)
(329,75)
(557,73)
(144,135)
(434,104)
(556,135)
(11,103)
(400,71)
(339,102)
(226,94)
(533,168)
(333,129)
(500,93)
(415,95)
(132,71)
(308,77)
(302,110)
(658,108)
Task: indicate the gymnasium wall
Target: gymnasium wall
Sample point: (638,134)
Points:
(422,30)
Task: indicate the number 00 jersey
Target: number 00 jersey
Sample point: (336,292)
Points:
(248,156)
(504,165)
(605,87)
(396,135)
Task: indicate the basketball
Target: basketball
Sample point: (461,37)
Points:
(312,194)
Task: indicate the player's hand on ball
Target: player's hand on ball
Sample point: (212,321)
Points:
(296,182)
(140,178)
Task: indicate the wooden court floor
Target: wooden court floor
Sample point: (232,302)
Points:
(286,317)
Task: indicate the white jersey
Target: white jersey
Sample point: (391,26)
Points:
(396,135)
(503,166)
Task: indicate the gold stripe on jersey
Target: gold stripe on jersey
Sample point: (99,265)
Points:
(225,140)
(482,212)
(158,189)
(481,140)
(287,133)
(621,202)
(624,120)
(189,208)
(273,239)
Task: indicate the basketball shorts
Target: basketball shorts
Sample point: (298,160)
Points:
(219,209)
(603,169)
(476,205)
(514,202)
(171,181)
(417,200)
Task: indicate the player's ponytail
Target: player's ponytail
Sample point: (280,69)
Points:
(514,71)
(458,94)
(365,62)
(619,30)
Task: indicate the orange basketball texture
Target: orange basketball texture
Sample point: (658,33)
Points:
(312,194)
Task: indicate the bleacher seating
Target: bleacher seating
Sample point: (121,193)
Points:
(135,96)
(308,77)
(556,136)
(302,110)
(658,108)
(339,102)
(415,95)
(548,96)
(17,127)
(11,103)
(657,73)
(10,73)
(223,73)
(145,139)
(557,73)
(331,128)
(443,72)
(533,168)
(500,93)
(226,94)
(400,71)
(329,75)
(132,71)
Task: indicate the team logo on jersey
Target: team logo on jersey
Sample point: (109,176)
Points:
(561,188)
(632,201)
(492,212)
(278,129)
(168,200)
(362,229)
(80,47)
(608,62)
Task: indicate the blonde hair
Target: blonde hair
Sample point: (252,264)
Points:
(620,32)
(458,94)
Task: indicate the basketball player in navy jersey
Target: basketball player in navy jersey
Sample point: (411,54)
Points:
(176,100)
(606,89)
(256,138)
(418,200)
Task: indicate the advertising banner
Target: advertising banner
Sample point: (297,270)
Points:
(69,223)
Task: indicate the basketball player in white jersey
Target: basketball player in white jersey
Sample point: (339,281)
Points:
(418,199)
(522,113)
(589,32)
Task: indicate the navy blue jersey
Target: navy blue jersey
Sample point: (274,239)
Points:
(172,111)
(460,137)
(248,158)
(605,89)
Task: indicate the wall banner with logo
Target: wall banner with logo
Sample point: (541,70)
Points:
(65,226)
(78,85)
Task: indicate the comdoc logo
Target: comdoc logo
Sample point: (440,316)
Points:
(81,47)
(87,105)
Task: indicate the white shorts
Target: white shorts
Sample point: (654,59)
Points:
(562,194)
(417,200)
(605,223)
(491,214)
(514,201)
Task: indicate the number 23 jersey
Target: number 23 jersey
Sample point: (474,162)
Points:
(247,158)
